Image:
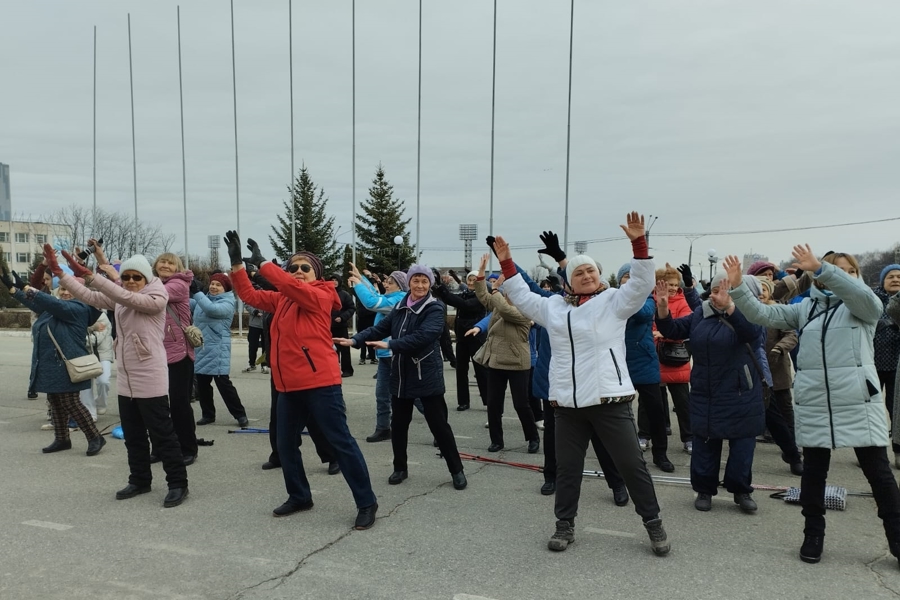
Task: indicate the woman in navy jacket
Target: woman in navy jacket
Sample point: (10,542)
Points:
(417,371)
(726,391)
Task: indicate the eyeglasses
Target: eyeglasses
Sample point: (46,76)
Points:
(295,267)
(131,277)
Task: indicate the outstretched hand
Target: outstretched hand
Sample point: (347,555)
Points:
(17,281)
(686,275)
(7,282)
(634,228)
(483,264)
(732,265)
(551,246)
(501,248)
(343,342)
(378,345)
(77,268)
(805,259)
(110,271)
(661,294)
(52,263)
(256,257)
(473,331)
(490,242)
(233,243)
(721,297)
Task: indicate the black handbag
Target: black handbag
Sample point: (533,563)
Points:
(673,354)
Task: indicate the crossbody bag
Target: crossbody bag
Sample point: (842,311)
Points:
(192,333)
(81,368)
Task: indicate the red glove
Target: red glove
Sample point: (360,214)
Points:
(77,268)
(52,264)
(37,278)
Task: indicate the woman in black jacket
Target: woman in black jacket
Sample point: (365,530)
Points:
(417,371)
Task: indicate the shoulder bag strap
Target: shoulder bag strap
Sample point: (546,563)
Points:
(174,316)
(53,339)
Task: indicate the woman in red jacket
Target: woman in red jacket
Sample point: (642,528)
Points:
(675,377)
(304,371)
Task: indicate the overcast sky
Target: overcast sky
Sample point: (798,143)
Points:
(715,116)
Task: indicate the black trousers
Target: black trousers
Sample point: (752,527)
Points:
(226,389)
(681,399)
(466,347)
(652,417)
(436,417)
(518,389)
(323,447)
(785,403)
(613,479)
(447,344)
(781,433)
(181,380)
(886,379)
(139,417)
(255,341)
(876,468)
(614,425)
(366,351)
(537,409)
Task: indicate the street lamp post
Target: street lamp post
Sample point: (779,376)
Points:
(713,259)
(398,239)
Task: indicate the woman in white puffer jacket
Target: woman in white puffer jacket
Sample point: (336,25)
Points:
(100,341)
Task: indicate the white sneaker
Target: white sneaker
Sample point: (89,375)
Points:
(47,427)
(249,369)
(101,411)
(644,444)
(540,424)
(689,447)
(265,370)
(487,425)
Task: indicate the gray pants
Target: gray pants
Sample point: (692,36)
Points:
(614,424)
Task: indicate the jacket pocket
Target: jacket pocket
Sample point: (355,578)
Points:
(309,358)
(139,348)
(418,363)
(748,378)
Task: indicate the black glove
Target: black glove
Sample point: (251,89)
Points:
(490,242)
(250,267)
(194,287)
(256,257)
(687,275)
(551,246)
(233,243)
(18,281)
(7,281)
(798,274)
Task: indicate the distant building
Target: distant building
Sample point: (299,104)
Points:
(5,197)
(749,259)
(21,241)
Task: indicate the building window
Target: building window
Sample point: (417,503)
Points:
(23,257)
(21,238)
(4,236)
(8,257)
(40,239)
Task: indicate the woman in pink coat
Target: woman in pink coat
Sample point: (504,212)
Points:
(142,373)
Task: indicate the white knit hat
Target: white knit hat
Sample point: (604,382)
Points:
(140,264)
(577,261)
(472,274)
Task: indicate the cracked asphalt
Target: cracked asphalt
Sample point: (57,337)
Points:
(65,536)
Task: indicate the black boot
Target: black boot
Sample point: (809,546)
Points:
(811,550)
(95,444)
(58,445)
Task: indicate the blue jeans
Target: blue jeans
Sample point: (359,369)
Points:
(383,394)
(706,458)
(325,405)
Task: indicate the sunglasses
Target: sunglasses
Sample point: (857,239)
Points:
(295,267)
(131,277)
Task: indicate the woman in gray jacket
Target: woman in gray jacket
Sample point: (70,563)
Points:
(838,401)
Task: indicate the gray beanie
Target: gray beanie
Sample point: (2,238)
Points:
(140,264)
(400,278)
(719,278)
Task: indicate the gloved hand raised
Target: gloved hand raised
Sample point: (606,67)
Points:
(256,257)
(687,275)
(551,246)
(77,268)
(490,242)
(233,243)
(50,259)
(194,287)
(18,280)
(7,281)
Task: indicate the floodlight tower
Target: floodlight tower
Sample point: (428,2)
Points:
(467,233)
(214,242)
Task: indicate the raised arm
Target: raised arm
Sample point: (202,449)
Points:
(262,299)
(151,303)
(217,310)
(92,297)
(856,295)
(305,295)
(371,299)
(779,316)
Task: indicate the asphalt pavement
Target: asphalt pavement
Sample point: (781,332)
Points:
(65,536)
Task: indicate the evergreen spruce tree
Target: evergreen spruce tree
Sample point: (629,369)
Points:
(315,229)
(379,222)
(6,301)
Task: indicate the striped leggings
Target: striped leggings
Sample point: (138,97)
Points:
(65,405)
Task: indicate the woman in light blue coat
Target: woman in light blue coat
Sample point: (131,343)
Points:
(213,314)
(836,393)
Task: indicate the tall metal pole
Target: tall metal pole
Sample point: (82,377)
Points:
(291,69)
(569,127)
(419,142)
(237,183)
(353,125)
(95,127)
(493,107)
(187,257)
(133,145)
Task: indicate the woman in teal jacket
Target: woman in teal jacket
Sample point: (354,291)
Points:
(213,314)
(836,393)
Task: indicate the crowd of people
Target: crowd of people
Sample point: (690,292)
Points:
(807,359)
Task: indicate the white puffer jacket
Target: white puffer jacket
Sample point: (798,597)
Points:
(588,341)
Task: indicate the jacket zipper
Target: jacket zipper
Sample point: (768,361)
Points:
(276,357)
(399,366)
(572,346)
(616,364)
(827,320)
(309,358)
